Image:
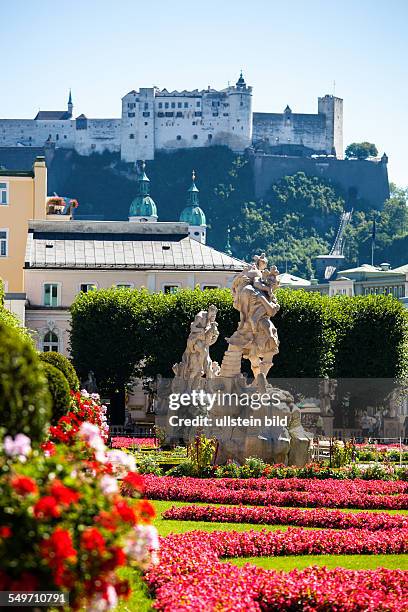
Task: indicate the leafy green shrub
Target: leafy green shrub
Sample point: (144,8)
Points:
(202,453)
(229,470)
(148,465)
(342,454)
(64,365)
(402,473)
(252,468)
(378,472)
(25,403)
(186,468)
(59,390)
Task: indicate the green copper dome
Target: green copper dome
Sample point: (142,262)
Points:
(143,205)
(192,213)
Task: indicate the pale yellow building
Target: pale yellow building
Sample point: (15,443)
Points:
(22,197)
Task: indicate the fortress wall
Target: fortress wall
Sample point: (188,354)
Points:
(14,132)
(291,128)
(100,135)
(368,178)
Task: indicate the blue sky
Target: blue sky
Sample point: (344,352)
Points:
(291,52)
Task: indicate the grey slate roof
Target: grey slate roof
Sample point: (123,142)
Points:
(47,115)
(120,245)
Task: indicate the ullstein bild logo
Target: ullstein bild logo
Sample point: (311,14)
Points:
(227,421)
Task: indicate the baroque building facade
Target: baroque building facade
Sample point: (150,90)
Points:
(154,119)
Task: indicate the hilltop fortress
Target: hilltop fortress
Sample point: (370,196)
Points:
(154,119)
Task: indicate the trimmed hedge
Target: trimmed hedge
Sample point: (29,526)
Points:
(25,403)
(134,332)
(59,389)
(64,365)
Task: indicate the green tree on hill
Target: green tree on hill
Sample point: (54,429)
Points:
(295,222)
(361,150)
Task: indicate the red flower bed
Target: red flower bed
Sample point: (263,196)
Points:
(191,576)
(270,515)
(129,442)
(268,492)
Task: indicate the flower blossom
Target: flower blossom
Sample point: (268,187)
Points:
(143,545)
(19,447)
(109,484)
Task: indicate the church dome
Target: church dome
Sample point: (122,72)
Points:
(193,215)
(143,206)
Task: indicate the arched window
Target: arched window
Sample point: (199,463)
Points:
(50,342)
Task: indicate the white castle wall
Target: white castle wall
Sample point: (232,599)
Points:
(322,132)
(155,120)
(100,135)
(159,120)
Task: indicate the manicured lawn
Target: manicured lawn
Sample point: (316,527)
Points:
(356,562)
(165,527)
(141,602)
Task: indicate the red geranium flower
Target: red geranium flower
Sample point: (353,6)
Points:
(63,495)
(134,480)
(23,485)
(117,559)
(123,588)
(5,532)
(48,448)
(107,520)
(126,512)
(47,507)
(58,547)
(146,509)
(93,540)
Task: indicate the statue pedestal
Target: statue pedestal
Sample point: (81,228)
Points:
(328,425)
(246,422)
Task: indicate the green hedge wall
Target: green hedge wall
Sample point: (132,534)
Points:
(120,333)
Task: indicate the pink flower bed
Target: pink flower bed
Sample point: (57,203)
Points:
(129,442)
(327,493)
(191,577)
(376,487)
(319,517)
(382,447)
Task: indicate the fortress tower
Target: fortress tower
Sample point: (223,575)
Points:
(332,108)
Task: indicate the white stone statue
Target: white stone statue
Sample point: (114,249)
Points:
(196,361)
(256,338)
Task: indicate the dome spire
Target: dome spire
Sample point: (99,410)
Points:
(193,214)
(192,194)
(70,104)
(143,207)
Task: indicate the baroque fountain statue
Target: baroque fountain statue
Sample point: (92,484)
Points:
(249,418)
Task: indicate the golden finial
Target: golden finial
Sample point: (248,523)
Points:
(194,175)
(143,165)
